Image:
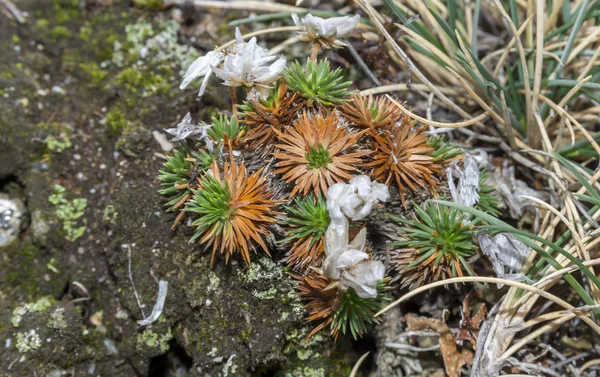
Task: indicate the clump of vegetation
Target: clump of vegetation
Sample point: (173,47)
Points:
(316,152)
(307,221)
(317,83)
(70,213)
(303,137)
(233,209)
(435,246)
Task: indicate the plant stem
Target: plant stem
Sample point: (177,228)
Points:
(234,101)
(314,52)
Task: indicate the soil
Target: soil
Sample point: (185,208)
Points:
(83,86)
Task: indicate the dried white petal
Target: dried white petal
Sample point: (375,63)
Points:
(341,255)
(467,191)
(327,32)
(250,66)
(363,278)
(201,67)
(187,128)
(337,195)
(354,200)
(505,251)
(163,287)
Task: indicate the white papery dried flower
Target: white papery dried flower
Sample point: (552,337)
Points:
(326,32)
(349,264)
(201,67)
(363,278)
(340,254)
(250,66)
(505,251)
(186,128)
(467,190)
(354,200)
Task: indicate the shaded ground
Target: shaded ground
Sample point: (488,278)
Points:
(81,90)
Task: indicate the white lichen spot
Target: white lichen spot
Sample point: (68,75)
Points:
(263,270)
(213,282)
(57,319)
(229,366)
(28,341)
(269,294)
(11,213)
(32,307)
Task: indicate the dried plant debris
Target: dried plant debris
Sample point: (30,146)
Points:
(511,191)
(454,358)
(505,251)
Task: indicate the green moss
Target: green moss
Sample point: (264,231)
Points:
(85,32)
(149,339)
(93,73)
(42,25)
(149,4)
(245,335)
(110,213)
(59,32)
(115,121)
(70,213)
(66,10)
(143,82)
(58,144)
(32,307)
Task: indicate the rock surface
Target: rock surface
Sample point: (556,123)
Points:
(82,89)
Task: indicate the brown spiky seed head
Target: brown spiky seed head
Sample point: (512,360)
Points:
(316,153)
(306,252)
(268,116)
(250,213)
(404,157)
(322,303)
(426,271)
(371,113)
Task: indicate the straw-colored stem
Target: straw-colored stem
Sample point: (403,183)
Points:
(234,100)
(314,52)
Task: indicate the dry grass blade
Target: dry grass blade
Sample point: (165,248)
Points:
(354,370)
(247,5)
(413,68)
(407,87)
(588,365)
(259,32)
(466,123)
(481,279)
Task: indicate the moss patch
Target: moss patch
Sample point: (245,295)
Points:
(70,212)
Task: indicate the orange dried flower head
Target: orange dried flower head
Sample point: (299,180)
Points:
(372,113)
(315,153)
(235,211)
(343,311)
(322,304)
(405,157)
(263,116)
